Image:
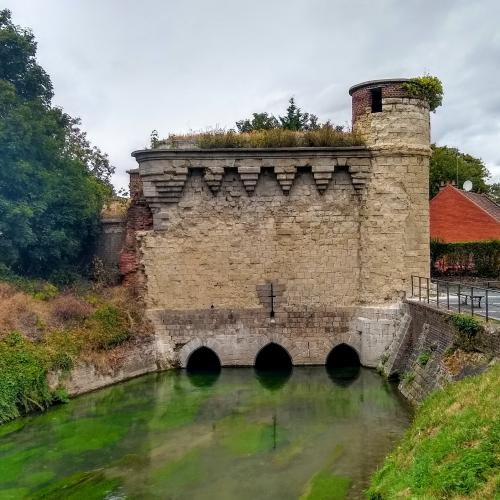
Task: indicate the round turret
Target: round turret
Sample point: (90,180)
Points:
(388,117)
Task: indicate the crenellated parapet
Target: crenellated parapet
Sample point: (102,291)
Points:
(164,172)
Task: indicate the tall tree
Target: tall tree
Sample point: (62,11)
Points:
(449,164)
(53,183)
(295,119)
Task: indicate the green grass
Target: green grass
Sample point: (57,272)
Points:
(452,449)
(23,384)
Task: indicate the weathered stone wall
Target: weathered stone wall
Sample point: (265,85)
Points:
(109,245)
(337,232)
(237,335)
(428,331)
(219,249)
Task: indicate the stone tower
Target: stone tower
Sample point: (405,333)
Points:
(394,218)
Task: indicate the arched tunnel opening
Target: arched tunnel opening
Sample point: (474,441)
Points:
(273,366)
(203,360)
(343,365)
(273,357)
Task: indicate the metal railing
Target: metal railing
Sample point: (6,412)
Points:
(458,296)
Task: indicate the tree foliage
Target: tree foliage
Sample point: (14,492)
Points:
(52,181)
(446,162)
(294,119)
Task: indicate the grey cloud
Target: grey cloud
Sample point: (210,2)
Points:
(127,67)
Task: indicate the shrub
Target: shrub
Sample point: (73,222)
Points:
(426,87)
(480,258)
(423,358)
(408,378)
(467,328)
(108,327)
(70,308)
(23,384)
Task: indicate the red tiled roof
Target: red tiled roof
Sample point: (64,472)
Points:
(485,203)
(458,216)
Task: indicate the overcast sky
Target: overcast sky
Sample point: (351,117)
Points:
(127,67)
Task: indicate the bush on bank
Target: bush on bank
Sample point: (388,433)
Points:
(452,449)
(43,332)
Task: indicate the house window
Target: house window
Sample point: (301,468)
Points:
(376,100)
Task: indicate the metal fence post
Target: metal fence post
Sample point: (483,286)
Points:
(459,297)
(472,300)
(448,295)
(486,304)
(419,288)
(412,292)
(428,290)
(437,294)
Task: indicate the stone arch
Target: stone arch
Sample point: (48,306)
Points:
(193,345)
(273,356)
(203,359)
(341,355)
(292,348)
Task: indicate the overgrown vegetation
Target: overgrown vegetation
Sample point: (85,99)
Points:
(479,258)
(408,377)
(53,183)
(452,449)
(467,328)
(325,136)
(423,358)
(426,87)
(52,332)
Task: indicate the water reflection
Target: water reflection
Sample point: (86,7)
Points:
(203,378)
(343,376)
(161,436)
(273,380)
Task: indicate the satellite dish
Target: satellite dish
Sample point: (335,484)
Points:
(467,185)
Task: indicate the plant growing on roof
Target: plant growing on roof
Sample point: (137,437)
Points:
(426,87)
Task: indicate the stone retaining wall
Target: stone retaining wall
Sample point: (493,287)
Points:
(428,332)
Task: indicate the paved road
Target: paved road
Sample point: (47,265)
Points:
(493,300)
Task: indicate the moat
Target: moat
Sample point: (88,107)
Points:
(237,434)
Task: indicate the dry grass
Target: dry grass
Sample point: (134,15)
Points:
(74,325)
(326,136)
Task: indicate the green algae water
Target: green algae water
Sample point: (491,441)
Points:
(233,436)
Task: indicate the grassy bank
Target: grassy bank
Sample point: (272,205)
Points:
(43,328)
(452,449)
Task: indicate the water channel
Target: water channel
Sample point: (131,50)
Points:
(236,434)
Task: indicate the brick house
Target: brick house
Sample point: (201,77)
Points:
(460,216)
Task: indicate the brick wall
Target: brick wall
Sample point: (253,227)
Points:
(362,98)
